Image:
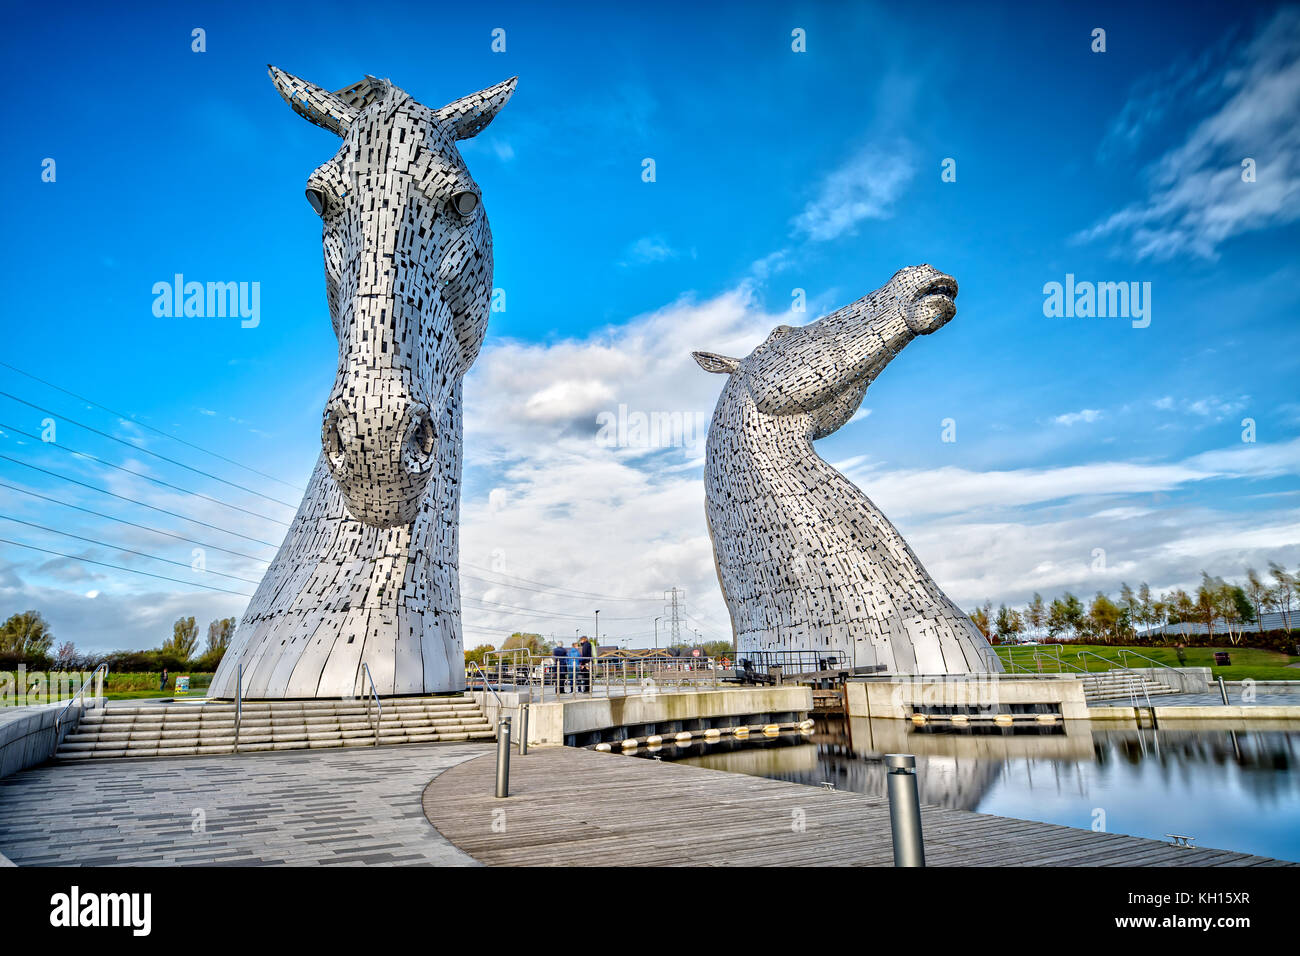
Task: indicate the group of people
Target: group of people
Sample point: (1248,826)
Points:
(572,667)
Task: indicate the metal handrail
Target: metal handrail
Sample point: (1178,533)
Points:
(1133,675)
(80,691)
(1182,685)
(365,669)
(593,677)
(523,723)
(239,702)
(487,686)
(1038,658)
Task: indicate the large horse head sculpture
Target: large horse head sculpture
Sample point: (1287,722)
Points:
(408,277)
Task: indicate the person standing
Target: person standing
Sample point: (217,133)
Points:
(587,665)
(561,655)
(574,654)
(162,681)
(1182,656)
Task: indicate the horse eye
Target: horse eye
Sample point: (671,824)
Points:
(464,203)
(317,200)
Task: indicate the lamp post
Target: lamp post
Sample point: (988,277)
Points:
(598,627)
(657,620)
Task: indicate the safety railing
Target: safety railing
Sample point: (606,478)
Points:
(553,678)
(1133,680)
(1046,659)
(58,719)
(795,661)
(379,704)
(1182,678)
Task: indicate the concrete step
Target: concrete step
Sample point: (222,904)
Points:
(192,729)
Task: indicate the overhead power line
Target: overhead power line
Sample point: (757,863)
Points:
(133,445)
(117,547)
(142,527)
(141,474)
(104,491)
(118,567)
(157,431)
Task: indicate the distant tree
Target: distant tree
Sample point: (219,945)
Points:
(533,642)
(1284,591)
(1130,608)
(980,618)
(1235,609)
(1146,612)
(1103,617)
(1208,603)
(718,649)
(1036,614)
(1257,591)
(66,656)
(219,634)
(1009,623)
(26,634)
(185,636)
(477,654)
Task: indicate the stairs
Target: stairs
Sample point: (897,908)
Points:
(182,730)
(1117,685)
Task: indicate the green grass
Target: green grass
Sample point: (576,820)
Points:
(1247,662)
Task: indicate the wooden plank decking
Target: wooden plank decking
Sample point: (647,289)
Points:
(571,807)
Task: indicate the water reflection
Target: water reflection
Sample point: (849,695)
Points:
(1233,789)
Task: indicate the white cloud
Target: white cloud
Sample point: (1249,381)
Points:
(863,188)
(1082,415)
(1197,198)
(649,249)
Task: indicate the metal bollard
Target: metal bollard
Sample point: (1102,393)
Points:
(905,810)
(503,757)
(523,729)
(1223,692)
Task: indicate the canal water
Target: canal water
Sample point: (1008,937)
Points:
(1230,789)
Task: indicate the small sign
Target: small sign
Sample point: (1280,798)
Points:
(182,685)
(695,653)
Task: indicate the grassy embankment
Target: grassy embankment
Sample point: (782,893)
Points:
(1247,662)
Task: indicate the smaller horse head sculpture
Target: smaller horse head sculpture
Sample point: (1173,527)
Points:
(820,371)
(408,277)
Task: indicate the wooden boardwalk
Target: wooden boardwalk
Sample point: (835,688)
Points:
(571,807)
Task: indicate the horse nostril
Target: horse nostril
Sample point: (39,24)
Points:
(330,437)
(420,437)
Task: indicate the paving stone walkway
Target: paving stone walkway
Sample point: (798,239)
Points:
(324,807)
(1211,699)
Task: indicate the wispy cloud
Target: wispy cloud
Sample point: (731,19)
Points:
(1197,198)
(1082,415)
(863,188)
(649,249)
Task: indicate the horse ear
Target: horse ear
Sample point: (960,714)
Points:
(713,362)
(315,104)
(471,114)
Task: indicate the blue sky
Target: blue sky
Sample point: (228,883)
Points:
(775,170)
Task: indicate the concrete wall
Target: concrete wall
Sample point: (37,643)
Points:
(990,692)
(552,722)
(27,733)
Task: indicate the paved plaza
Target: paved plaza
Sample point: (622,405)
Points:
(356,806)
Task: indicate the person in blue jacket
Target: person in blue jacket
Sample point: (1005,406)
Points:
(561,655)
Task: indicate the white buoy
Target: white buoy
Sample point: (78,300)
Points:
(603,748)
(684,737)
